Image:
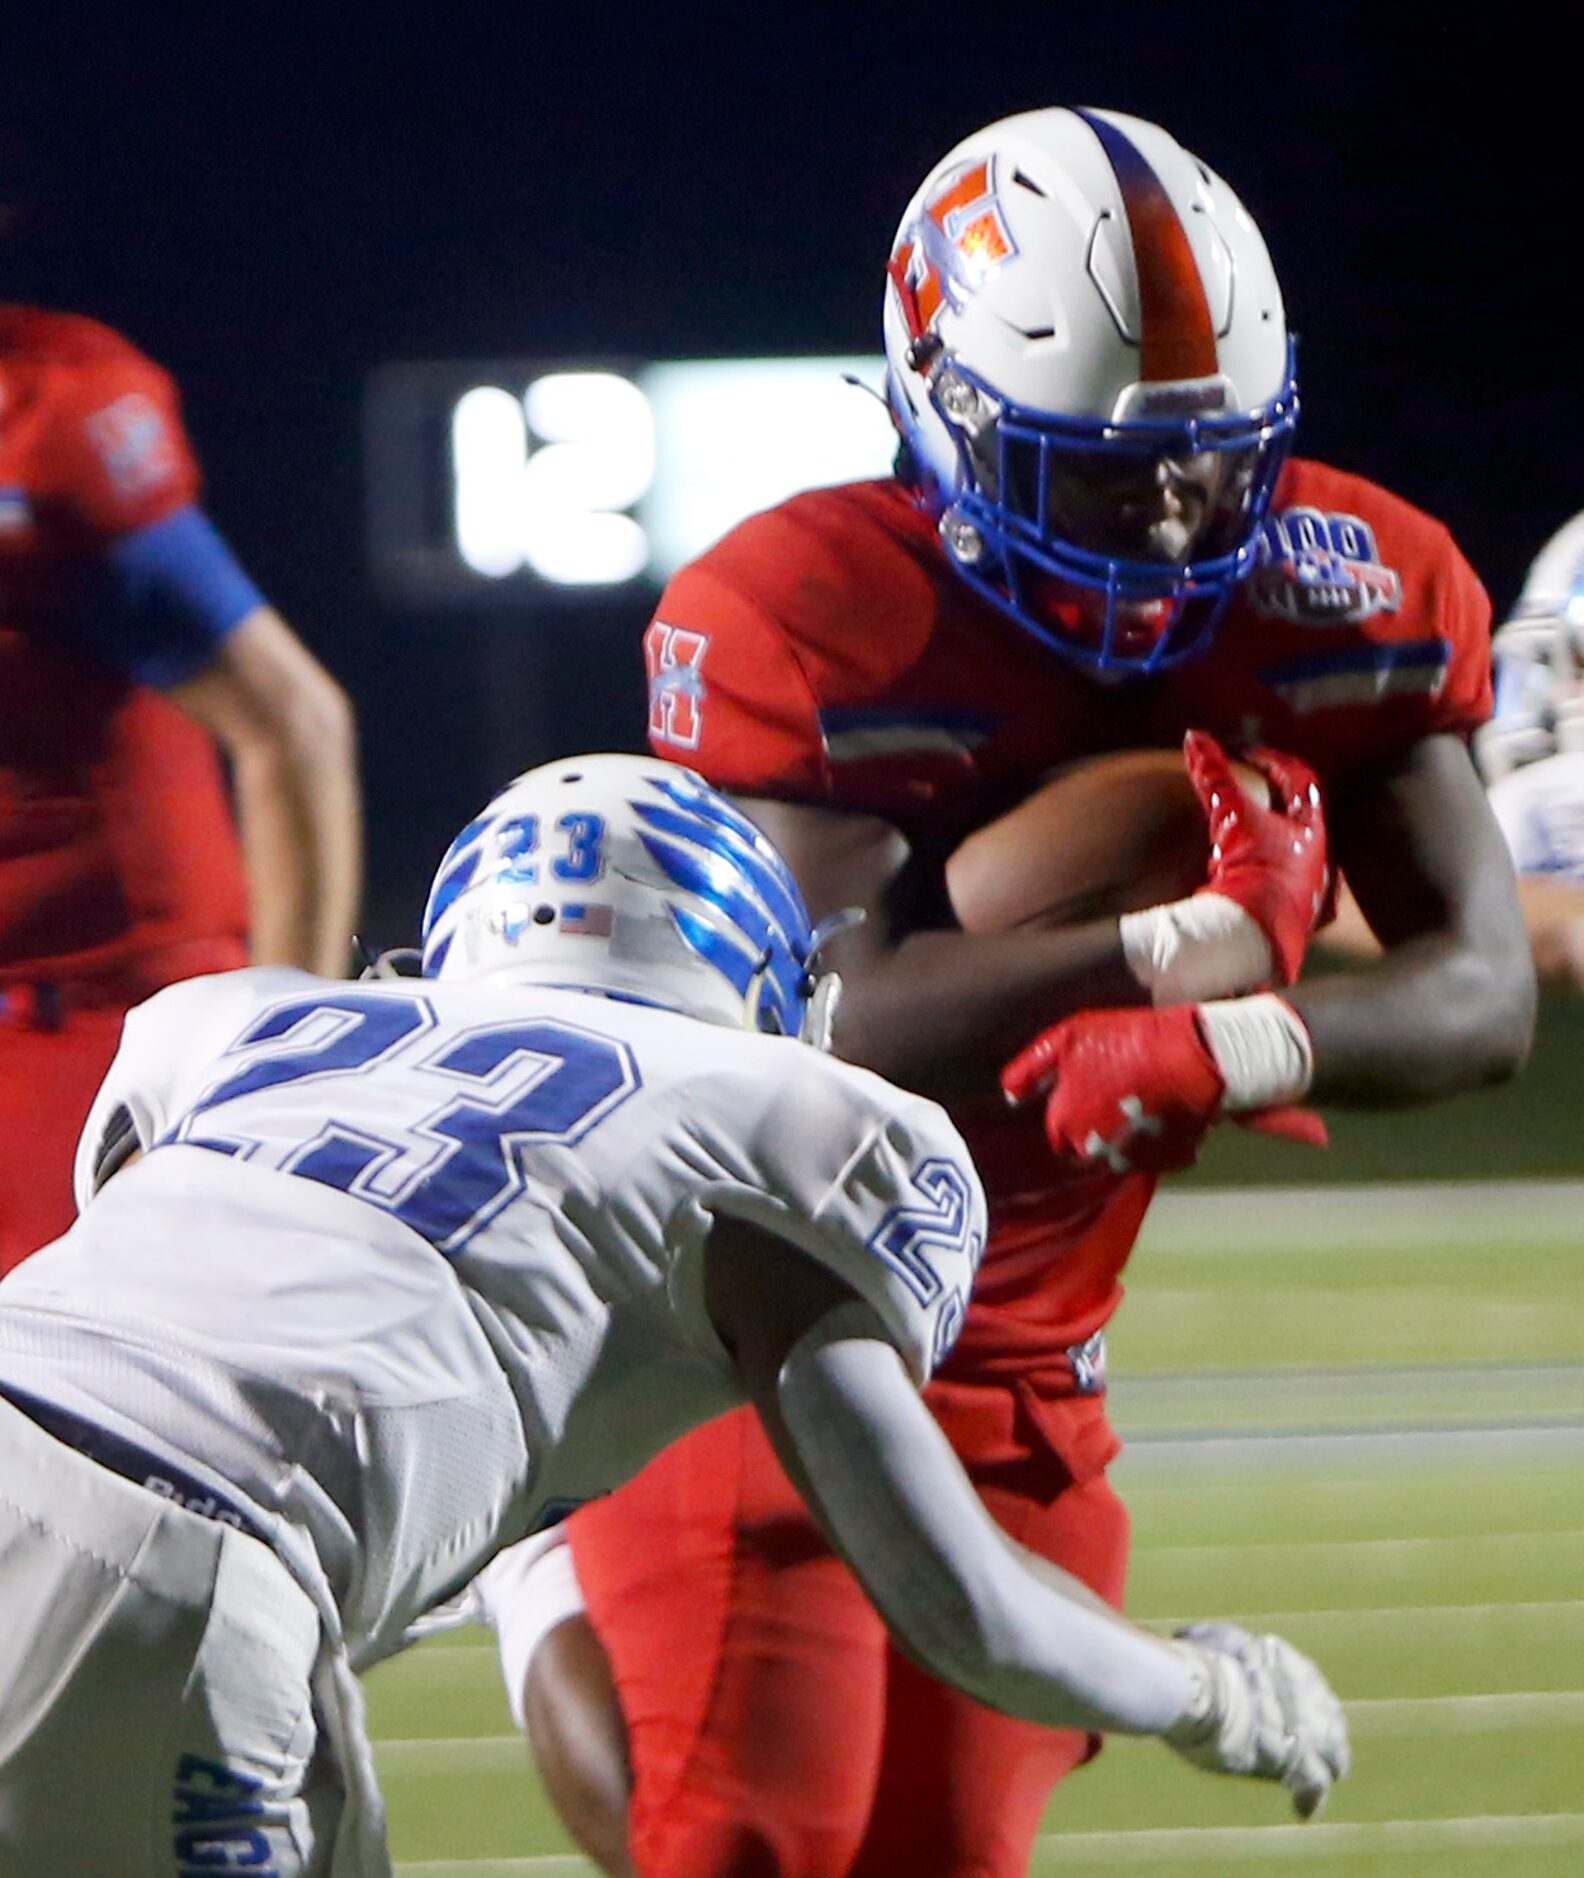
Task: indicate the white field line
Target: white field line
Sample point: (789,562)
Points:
(546,1865)
(1310,1220)
(1459,1714)
(1158,1844)
(1387,1715)
(1438,1394)
(1396,1614)
(1419,1545)
(481,1753)
(1156,1457)
(1155,1844)
(1348,1483)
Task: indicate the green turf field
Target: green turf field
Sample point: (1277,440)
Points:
(1356,1415)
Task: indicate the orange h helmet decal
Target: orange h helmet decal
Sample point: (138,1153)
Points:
(961,236)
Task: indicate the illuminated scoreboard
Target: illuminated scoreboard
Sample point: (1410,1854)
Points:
(514,482)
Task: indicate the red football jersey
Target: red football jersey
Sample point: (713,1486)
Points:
(118,859)
(825,652)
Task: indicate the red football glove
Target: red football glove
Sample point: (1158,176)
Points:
(1272,862)
(1135,1091)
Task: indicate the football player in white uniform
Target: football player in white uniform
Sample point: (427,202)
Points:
(372,1279)
(1531,755)
(1532,751)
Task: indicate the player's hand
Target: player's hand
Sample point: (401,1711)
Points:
(1132,1090)
(1136,1091)
(1270,861)
(1261,1708)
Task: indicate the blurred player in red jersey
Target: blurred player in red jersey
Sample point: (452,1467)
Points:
(131,646)
(1095,540)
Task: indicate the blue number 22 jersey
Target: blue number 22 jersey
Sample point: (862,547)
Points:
(407,1266)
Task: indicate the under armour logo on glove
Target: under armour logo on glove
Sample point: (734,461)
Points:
(1130,1091)
(1113,1150)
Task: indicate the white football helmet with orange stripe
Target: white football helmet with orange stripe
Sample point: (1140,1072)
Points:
(1089,364)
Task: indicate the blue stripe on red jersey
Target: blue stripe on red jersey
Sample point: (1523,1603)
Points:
(1360,674)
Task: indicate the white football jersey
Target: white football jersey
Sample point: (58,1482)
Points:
(1537,654)
(407,1267)
(1540,810)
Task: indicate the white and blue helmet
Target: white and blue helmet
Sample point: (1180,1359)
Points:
(630,877)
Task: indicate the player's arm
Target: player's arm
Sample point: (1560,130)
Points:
(961,1598)
(937,1011)
(849,1426)
(177,611)
(1450,1003)
(287,730)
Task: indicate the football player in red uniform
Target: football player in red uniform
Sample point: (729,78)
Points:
(1095,540)
(131,646)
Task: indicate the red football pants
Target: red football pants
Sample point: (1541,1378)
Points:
(48,1080)
(774,1733)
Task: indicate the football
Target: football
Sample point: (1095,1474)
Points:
(1107,835)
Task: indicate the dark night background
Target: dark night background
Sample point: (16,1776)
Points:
(273,206)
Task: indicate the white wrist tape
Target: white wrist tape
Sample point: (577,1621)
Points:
(1206,946)
(1262,1050)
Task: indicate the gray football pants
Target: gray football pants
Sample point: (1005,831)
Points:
(155,1715)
